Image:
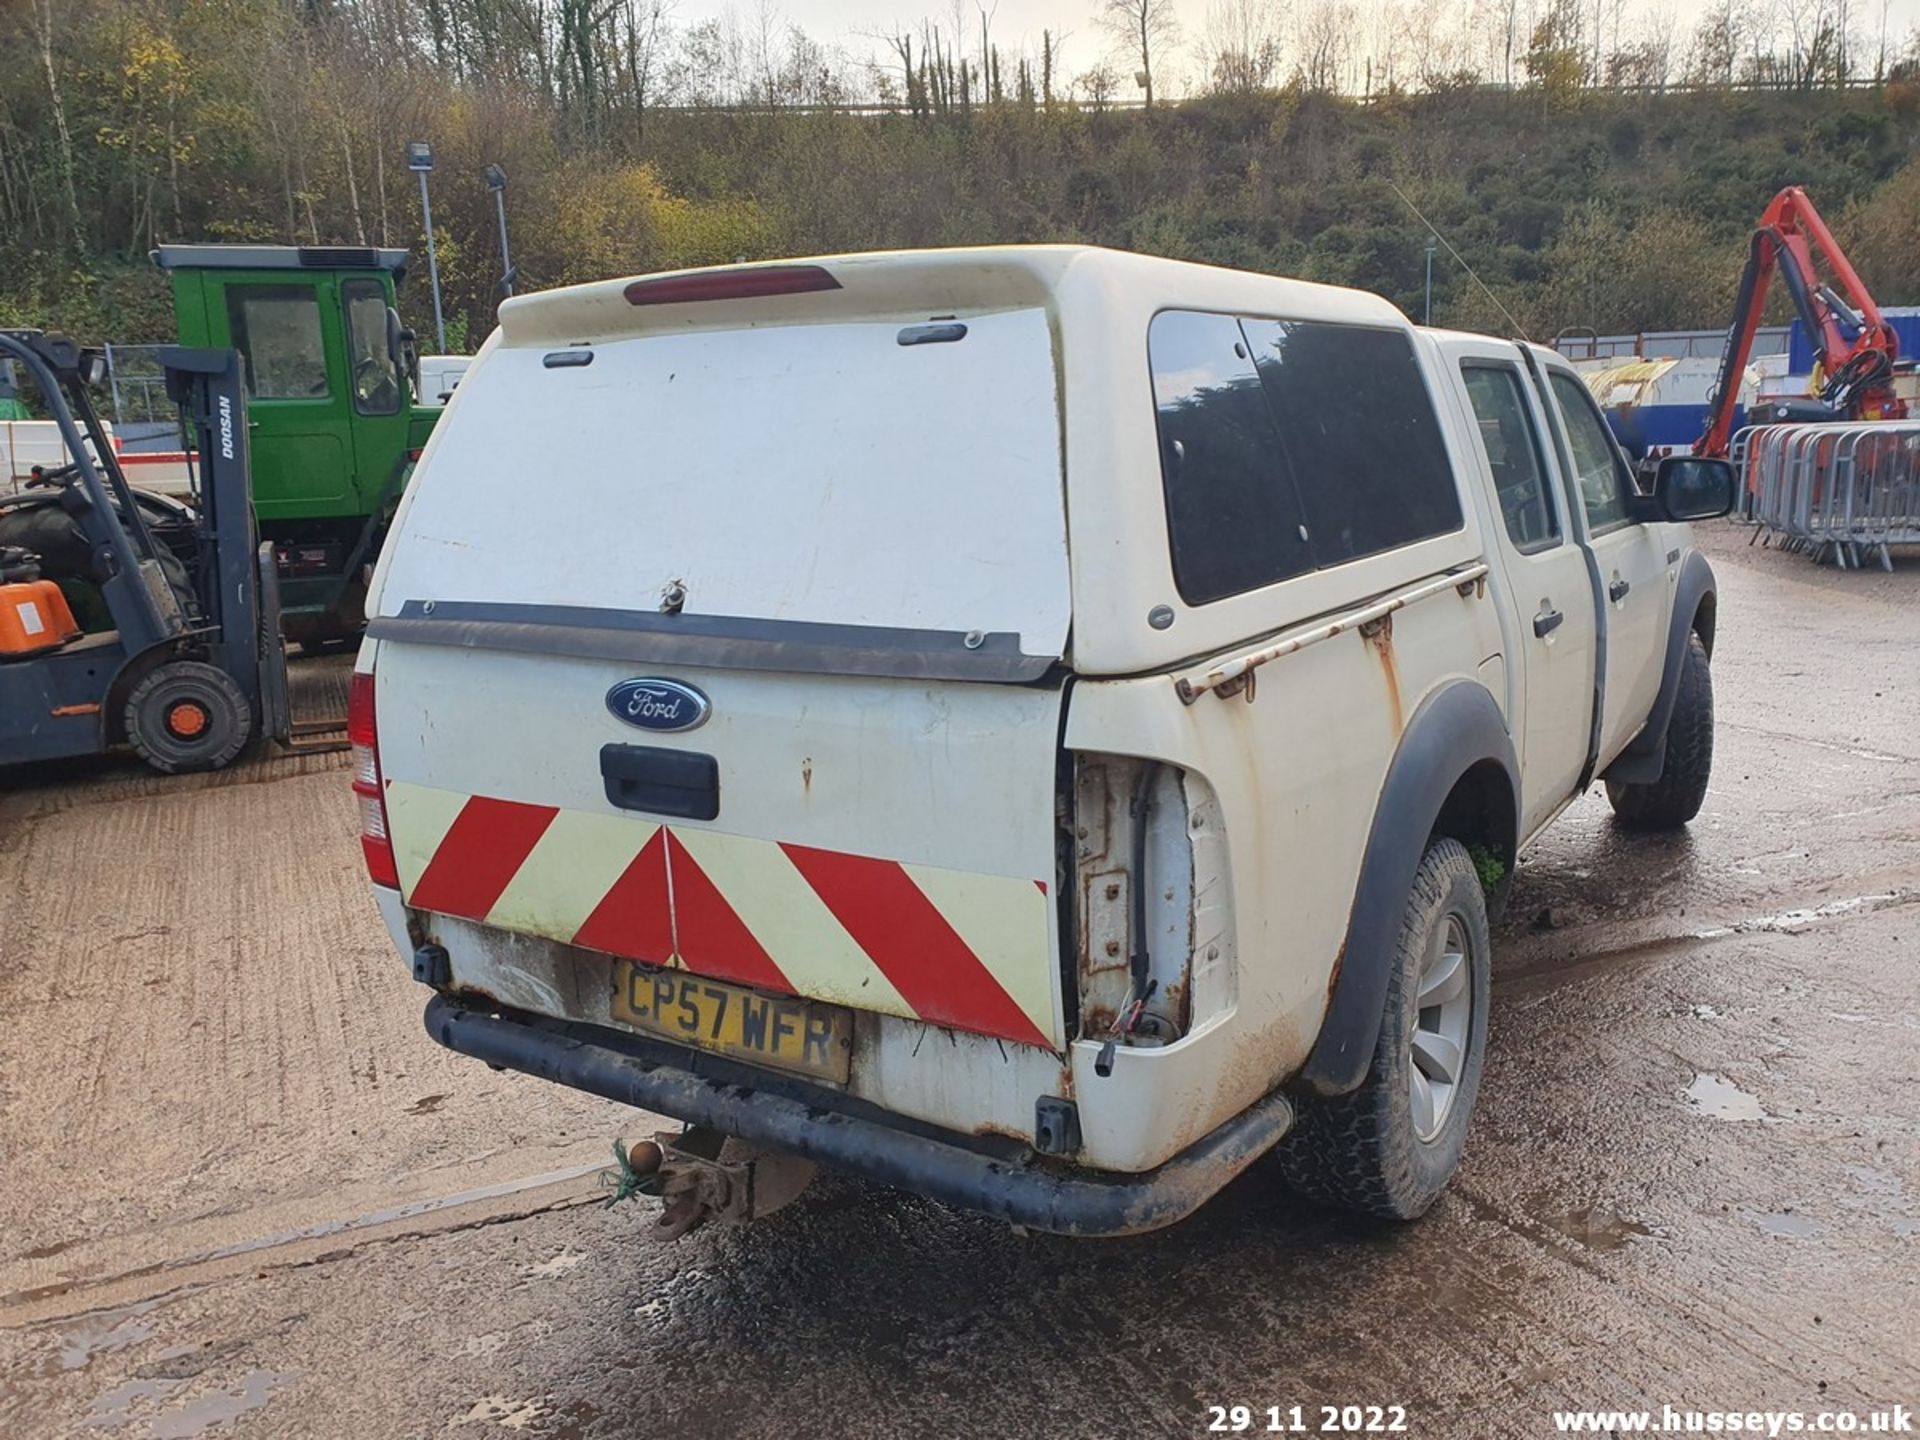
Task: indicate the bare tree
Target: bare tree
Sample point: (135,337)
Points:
(1438,35)
(1144,29)
(1325,32)
(1098,85)
(645,24)
(1515,22)
(1722,36)
(44,14)
(1387,43)
(1240,44)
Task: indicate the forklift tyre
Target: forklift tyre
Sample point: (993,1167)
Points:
(187,715)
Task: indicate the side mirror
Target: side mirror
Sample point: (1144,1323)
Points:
(1693,487)
(409,354)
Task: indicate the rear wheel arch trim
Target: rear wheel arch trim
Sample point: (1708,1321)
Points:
(1695,611)
(1455,730)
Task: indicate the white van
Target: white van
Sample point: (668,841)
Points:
(1035,726)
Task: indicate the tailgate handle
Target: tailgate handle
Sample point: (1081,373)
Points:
(681,783)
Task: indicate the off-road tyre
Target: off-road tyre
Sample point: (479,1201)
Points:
(1361,1151)
(187,715)
(1676,797)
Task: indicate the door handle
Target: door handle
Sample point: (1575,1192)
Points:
(1617,591)
(1546,622)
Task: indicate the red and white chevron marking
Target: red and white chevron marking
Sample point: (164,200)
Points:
(954,948)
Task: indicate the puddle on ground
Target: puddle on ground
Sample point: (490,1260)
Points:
(201,1415)
(1597,1227)
(1792,922)
(1896,1022)
(499,1410)
(1719,1098)
(115,1408)
(101,1334)
(1877,1183)
(1784,1224)
(558,1265)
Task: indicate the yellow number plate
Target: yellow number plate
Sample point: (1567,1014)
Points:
(782,1031)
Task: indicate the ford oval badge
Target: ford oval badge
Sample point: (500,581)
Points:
(661,705)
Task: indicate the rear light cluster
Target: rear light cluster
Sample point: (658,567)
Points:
(375,843)
(1153,904)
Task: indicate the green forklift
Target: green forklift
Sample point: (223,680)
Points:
(332,382)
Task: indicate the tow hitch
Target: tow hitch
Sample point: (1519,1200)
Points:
(703,1175)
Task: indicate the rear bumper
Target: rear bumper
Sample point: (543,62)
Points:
(1050,1197)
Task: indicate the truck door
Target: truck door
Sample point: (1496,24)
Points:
(295,365)
(1632,565)
(1549,581)
(376,388)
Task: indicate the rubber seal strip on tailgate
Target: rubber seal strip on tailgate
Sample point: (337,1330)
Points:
(718,642)
(1041,1196)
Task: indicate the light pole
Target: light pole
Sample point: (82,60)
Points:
(1429,317)
(497,183)
(420,161)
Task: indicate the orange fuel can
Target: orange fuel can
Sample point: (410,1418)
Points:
(34,617)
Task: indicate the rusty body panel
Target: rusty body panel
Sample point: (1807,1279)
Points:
(1218,675)
(1378,636)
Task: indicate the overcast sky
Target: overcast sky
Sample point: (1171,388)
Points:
(1017,23)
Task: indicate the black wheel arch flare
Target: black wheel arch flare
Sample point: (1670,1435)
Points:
(1695,612)
(1455,761)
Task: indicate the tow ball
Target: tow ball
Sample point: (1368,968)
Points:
(702,1175)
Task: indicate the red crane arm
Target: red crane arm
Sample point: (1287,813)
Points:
(1854,344)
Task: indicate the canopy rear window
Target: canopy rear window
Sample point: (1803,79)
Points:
(834,474)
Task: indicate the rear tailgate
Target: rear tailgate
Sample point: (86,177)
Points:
(870,541)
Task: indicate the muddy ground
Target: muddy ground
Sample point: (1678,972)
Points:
(245,1195)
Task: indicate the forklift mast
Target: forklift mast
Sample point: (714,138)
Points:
(206,385)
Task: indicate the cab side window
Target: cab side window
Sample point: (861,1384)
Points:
(376,381)
(1598,467)
(1512,447)
(276,329)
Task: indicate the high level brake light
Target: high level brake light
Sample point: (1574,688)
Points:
(749,284)
(362,737)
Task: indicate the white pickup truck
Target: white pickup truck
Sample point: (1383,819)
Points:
(1038,726)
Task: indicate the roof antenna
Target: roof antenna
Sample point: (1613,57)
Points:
(1518,328)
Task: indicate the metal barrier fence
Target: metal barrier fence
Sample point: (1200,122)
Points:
(139,386)
(1845,491)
